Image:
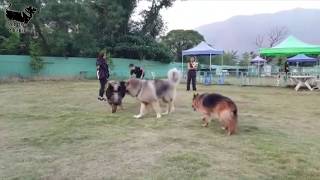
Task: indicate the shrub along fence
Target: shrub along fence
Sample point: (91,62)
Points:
(76,67)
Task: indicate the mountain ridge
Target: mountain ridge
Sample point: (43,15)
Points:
(239,32)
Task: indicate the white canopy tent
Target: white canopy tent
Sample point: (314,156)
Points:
(258,61)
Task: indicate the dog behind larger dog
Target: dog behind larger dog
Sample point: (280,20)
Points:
(115,93)
(151,92)
(216,105)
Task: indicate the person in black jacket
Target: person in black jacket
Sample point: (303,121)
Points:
(286,70)
(286,67)
(137,71)
(102,74)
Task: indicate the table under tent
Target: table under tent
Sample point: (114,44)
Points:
(203,49)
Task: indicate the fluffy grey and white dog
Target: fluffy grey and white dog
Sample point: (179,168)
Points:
(151,92)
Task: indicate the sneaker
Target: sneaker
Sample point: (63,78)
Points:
(101,98)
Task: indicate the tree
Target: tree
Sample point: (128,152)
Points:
(259,42)
(10,45)
(82,27)
(152,23)
(276,35)
(36,62)
(273,37)
(138,47)
(229,58)
(178,40)
(245,61)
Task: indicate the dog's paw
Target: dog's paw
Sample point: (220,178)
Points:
(158,116)
(137,116)
(224,128)
(205,124)
(165,113)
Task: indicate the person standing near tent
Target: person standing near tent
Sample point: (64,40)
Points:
(192,73)
(102,73)
(286,69)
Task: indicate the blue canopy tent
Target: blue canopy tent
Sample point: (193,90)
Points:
(201,49)
(300,58)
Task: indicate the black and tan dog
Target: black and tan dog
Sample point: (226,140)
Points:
(21,16)
(217,106)
(115,93)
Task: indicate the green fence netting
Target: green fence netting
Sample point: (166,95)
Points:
(18,66)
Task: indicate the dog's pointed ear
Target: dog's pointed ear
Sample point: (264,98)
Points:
(122,88)
(109,91)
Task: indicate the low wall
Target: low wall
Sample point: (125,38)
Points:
(61,67)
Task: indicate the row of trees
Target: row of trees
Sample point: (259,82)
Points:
(83,27)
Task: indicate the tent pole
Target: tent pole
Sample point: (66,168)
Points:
(222,60)
(182,65)
(210,63)
(259,68)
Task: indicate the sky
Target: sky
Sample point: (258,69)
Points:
(190,14)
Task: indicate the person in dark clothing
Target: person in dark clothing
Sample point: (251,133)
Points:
(137,71)
(286,67)
(192,74)
(286,70)
(102,74)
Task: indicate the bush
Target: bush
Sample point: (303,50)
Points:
(11,44)
(36,62)
(139,47)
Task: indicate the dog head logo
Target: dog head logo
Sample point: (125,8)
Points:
(21,16)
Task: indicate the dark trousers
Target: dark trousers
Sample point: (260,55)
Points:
(191,78)
(103,83)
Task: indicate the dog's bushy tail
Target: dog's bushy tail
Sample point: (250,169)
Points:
(174,76)
(230,119)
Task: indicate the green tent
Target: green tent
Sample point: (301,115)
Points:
(290,47)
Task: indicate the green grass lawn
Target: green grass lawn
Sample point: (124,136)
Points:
(58,130)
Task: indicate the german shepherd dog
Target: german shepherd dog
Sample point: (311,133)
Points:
(152,92)
(115,93)
(217,106)
(21,16)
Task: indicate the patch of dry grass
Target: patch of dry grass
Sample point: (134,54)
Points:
(57,130)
